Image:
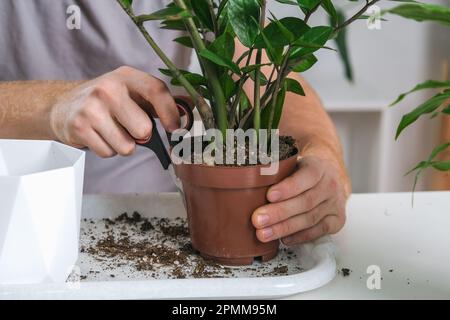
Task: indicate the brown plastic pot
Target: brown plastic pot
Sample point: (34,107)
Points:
(220,201)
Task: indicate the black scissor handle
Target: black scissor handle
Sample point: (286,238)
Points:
(156,144)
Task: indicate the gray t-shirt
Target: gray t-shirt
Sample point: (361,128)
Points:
(37,44)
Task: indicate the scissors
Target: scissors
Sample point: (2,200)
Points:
(156,143)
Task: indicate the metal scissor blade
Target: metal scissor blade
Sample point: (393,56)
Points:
(177,183)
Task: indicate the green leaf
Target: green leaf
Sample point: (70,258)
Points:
(438,165)
(202,12)
(308,4)
(243,16)
(185,41)
(427,107)
(423,12)
(265,115)
(331,10)
(193,78)
(291,2)
(294,86)
(303,44)
(173,25)
(446,110)
(295,26)
(275,54)
(221,61)
(228,85)
(169,13)
(430,84)
(438,150)
(244,103)
(252,67)
(224,46)
(305,63)
(442,165)
(317,36)
(127,3)
(341,42)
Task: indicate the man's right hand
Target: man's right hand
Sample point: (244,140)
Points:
(106,114)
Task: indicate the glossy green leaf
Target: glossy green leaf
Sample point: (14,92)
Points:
(127,3)
(295,26)
(331,10)
(173,25)
(185,41)
(429,84)
(423,12)
(294,86)
(438,150)
(425,108)
(169,13)
(291,2)
(265,115)
(305,63)
(442,165)
(202,12)
(446,110)
(243,16)
(316,36)
(194,78)
(221,61)
(228,85)
(308,4)
(224,46)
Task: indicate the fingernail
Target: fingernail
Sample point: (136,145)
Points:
(147,138)
(274,195)
(267,233)
(262,220)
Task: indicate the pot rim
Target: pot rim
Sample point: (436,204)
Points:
(229,167)
(234,177)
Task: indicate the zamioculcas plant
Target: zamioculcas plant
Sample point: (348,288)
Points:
(290,43)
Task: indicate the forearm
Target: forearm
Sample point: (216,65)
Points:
(305,119)
(25,108)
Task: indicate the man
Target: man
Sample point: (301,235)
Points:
(105,114)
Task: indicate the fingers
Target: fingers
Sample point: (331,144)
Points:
(294,224)
(329,225)
(97,144)
(154,91)
(134,120)
(276,212)
(309,174)
(115,135)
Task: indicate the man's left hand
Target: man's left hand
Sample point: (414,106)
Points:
(305,206)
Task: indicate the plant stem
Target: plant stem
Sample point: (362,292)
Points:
(280,78)
(356,16)
(213,16)
(202,106)
(257,91)
(210,72)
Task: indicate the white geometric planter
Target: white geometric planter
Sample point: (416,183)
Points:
(41,186)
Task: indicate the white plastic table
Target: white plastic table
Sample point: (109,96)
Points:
(410,245)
